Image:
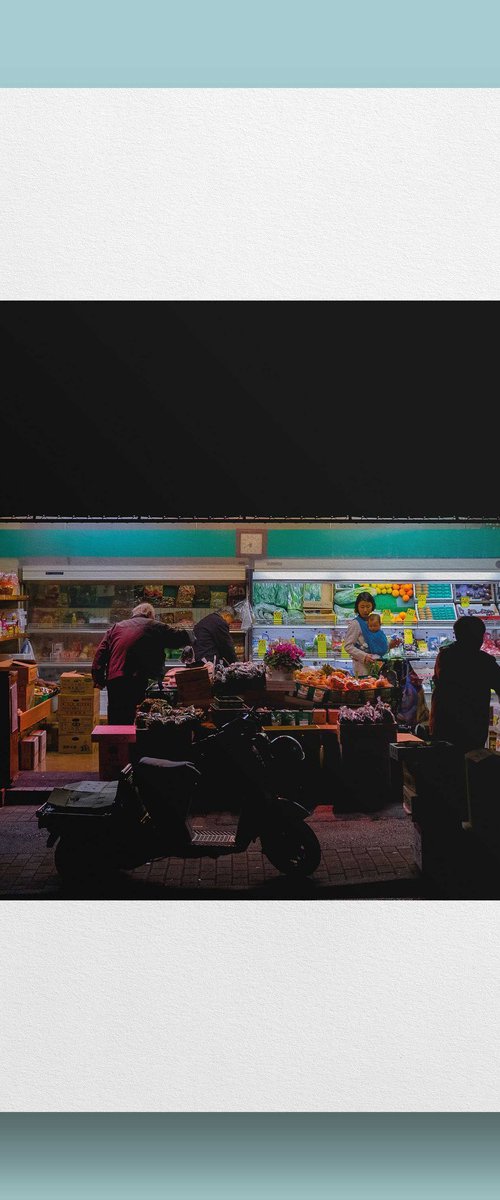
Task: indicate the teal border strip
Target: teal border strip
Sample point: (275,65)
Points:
(224,1156)
(372,542)
(341,542)
(117,543)
(268,43)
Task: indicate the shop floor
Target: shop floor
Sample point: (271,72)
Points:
(363,857)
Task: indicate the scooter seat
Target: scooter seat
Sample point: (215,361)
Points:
(150,766)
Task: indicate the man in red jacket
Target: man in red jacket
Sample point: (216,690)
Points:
(130,654)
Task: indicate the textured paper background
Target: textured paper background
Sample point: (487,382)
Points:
(261,194)
(231,1006)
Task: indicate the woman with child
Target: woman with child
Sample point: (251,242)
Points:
(365,640)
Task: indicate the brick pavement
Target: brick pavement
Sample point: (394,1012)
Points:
(372,855)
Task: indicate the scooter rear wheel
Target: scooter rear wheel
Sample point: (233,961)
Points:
(294,850)
(81,862)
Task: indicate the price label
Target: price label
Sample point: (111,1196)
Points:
(465,601)
(321,645)
(278,618)
(408,637)
(343,651)
(261,648)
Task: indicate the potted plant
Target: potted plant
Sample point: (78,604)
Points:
(282,659)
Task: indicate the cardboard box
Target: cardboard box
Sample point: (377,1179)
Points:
(75,743)
(41,736)
(113,757)
(86,706)
(28,753)
(75,724)
(72,683)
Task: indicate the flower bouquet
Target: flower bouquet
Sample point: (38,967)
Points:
(282,658)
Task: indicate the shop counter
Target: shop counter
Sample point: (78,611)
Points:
(116,743)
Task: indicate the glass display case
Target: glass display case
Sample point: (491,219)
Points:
(66,620)
(314,614)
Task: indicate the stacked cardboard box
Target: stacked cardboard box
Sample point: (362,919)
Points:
(27,673)
(28,753)
(41,736)
(32,750)
(78,713)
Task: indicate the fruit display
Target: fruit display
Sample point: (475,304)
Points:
(402,590)
(408,617)
(435,590)
(491,643)
(437,612)
(393,597)
(474,593)
(487,612)
(339,681)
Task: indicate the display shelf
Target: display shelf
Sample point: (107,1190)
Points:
(12,599)
(66,629)
(344,624)
(62,662)
(80,607)
(328,659)
(12,637)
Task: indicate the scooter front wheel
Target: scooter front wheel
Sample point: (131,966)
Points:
(294,850)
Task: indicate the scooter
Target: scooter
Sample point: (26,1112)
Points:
(99,828)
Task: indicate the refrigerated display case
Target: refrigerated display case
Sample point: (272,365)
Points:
(314,614)
(67,619)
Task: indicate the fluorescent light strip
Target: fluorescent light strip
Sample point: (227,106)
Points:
(379,575)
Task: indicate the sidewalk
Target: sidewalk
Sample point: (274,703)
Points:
(364,856)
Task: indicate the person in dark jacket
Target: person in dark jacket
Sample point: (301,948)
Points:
(213,639)
(464,677)
(130,654)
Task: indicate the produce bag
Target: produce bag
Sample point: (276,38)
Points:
(412,707)
(244,612)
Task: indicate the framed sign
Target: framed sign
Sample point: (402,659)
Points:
(252,542)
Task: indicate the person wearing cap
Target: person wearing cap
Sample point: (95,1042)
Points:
(130,654)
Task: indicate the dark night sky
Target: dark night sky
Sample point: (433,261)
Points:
(226,409)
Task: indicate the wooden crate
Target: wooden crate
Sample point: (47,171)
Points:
(194,687)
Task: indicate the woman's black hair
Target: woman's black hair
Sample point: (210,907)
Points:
(363,596)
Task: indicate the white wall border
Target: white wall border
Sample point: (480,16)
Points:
(241,1006)
(259,194)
